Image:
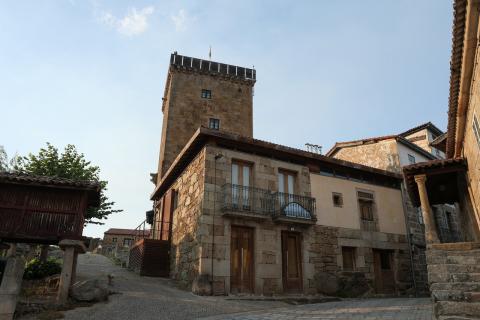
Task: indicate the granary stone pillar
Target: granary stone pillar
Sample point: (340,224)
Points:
(71,249)
(12,250)
(10,286)
(431,235)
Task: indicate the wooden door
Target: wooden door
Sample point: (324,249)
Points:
(241,260)
(292,262)
(384,273)
(167,216)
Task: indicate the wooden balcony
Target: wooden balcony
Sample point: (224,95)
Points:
(43,209)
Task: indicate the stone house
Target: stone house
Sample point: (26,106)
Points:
(241,215)
(115,237)
(392,153)
(453,268)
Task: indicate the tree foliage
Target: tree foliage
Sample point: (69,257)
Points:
(3,159)
(71,165)
(5,164)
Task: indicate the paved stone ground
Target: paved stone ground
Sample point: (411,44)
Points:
(146,298)
(393,309)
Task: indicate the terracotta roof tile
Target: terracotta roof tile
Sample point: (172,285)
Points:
(458,33)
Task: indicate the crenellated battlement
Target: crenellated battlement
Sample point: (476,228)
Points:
(212,67)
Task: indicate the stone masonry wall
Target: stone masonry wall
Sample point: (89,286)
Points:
(454,278)
(185,110)
(384,155)
(471,148)
(185,247)
(422,139)
(417,239)
(326,255)
(381,155)
(267,234)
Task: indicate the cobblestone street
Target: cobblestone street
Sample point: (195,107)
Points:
(395,308)
(154,298)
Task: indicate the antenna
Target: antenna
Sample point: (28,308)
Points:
(313,148)
(210,53)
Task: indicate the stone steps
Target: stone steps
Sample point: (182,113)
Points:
(454,278)
(454,286)
(456,295)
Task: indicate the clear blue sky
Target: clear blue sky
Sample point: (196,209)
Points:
(92,73)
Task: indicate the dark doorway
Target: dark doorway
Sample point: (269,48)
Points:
(384,272)
(241,260)
(292,262)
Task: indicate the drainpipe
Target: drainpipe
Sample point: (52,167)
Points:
(410,247)
(217,156)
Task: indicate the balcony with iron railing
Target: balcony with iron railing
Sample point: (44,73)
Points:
(261,204)
(248,202)
(294,208)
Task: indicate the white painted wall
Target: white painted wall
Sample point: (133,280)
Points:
(404,151)
(388,203)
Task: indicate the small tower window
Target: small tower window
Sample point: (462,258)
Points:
(214,124)
(206,94)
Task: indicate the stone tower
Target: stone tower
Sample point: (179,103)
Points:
(203,93)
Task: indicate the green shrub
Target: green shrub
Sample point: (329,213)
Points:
(35,269)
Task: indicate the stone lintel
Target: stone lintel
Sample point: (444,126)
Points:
(77,244)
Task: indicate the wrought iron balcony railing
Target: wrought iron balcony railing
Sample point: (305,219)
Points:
(294,206)
(247,199)
(265,203)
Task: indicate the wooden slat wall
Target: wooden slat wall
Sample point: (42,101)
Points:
(43,214)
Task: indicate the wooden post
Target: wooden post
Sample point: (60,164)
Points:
(431,235)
